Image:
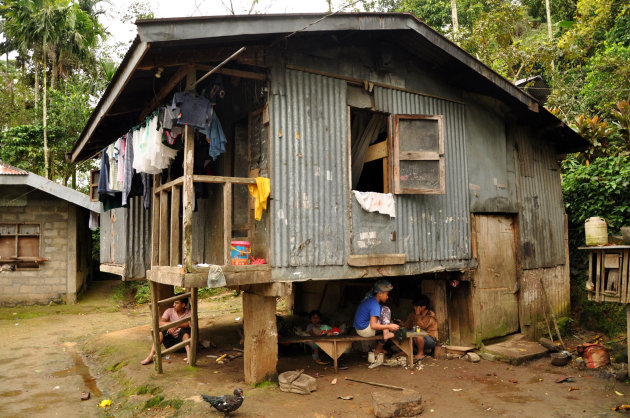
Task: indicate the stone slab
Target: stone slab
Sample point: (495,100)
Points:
(393,403)
(516,350)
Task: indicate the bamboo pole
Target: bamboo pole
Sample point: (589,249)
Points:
(375,384)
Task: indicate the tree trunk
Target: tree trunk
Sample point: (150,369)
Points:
(549,29)
(454,16)
(10,83)
(45,114)
(74,178)
(55,70)
(36,84)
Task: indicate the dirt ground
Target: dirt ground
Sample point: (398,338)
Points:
(50,354)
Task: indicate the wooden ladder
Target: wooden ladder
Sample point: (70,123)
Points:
(191,294)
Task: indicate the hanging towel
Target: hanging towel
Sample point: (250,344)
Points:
(376,202)
(260,191)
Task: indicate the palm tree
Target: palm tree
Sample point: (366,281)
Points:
(58,29)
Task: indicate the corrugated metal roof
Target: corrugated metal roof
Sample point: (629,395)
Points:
(9,170)
(178,41)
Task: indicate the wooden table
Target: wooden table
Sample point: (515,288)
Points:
(336,345)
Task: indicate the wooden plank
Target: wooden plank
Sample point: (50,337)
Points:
(421,156)
(176,200)
(363,260)
(227,223)
(174,298)
(386,179)
(199,178)
(164,230)
(155,320)
(376,152)
(114,269)
(165,90)
(194,327)
(174,324)
(155,223)
(625,275)
(611,261)
(176,347)
(234,73)
(187,197)
(170,184)
(598,271)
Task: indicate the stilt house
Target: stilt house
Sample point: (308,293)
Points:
(324,105)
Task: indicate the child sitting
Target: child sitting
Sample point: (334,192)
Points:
(425,319)
(316,329)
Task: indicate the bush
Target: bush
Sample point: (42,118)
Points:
(599,189)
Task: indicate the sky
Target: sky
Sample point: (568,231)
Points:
(125,32)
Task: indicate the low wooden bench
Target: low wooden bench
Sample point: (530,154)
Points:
(336,345)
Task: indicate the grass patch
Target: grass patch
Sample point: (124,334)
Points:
(154,401)
(148,389)
(117,366)
(265,384)
(131,292)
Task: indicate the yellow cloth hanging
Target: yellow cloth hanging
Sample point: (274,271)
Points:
(260,191)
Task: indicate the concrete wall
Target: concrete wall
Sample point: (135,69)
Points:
(56,279)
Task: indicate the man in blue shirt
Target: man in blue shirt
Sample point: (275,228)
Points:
(371,316)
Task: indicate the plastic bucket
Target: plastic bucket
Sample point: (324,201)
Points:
(596,231)
(240,253)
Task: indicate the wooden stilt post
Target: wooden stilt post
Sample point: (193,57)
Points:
(194,327)
(261,337)
(628,332)
(188,195)
(155,320)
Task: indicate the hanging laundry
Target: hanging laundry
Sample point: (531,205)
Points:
(120,146)
(215,136)
(260,191)
(111,199)
(376,202)
(94,222)
(113,183)
(193,110)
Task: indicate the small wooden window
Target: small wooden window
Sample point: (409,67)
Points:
(94,177)
(419,154)
(19,244)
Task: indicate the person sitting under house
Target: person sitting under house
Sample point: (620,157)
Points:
(425,320)
(372,317)
(173,335)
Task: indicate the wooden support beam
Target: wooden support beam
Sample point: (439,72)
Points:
(155,223)
(200,178)
(234,73)
(164,230)
(363,260)
(165,90)
(227,223)
(155,321)
(261,338)
(269,289)
(194,327)
(188,195)
(176,203)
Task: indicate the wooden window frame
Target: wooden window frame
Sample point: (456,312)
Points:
(418,156)
(94,186)
(17,258)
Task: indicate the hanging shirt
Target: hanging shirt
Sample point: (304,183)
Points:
(193,110)
(215,136)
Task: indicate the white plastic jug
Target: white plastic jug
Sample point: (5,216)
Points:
(596,231)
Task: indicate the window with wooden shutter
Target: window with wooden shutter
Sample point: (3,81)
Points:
(94,177)
(419,154)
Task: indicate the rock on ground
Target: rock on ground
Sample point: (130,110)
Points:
(407,403)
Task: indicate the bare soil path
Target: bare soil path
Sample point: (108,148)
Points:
(43,372)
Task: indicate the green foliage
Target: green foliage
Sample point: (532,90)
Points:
(148,389)
(127,292)
(117,366)
(601,188)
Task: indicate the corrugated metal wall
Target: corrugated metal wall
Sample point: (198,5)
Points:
(434,227)
(126,238)
(309,170)
(541,216)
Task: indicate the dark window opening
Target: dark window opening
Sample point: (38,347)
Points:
(369,151)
